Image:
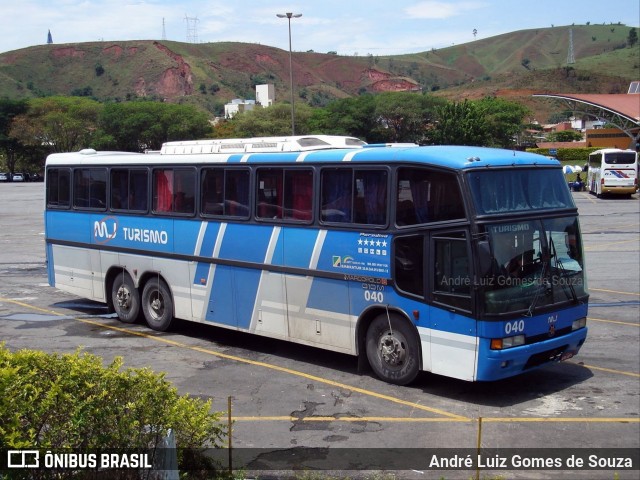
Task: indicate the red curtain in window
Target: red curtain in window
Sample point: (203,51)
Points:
(302,185)
(164,190)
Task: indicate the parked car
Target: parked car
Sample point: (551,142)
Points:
(18,177)
(4,177)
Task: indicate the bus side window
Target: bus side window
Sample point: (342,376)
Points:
(298,194)
(370,205)
(90,188)
(138,190)
(174,190)
(58,191)
(236,193)
(426,196)
(336,195)
(185,190)
(128,189)
(120,189)
(162,190)
(225,192)
(409,264)
(451,279)
(269,193)
(212,200)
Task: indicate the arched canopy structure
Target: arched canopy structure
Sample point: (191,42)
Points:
(621,110)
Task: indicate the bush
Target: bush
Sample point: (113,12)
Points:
(71,401)
(575,156)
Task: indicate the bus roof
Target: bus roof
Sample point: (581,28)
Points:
(300,143)
(311,149)
(611,150)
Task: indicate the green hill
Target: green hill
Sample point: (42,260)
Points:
(211,74)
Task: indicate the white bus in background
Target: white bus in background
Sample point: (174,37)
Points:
(614,171)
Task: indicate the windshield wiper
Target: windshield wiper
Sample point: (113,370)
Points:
(545,285)
(563,271)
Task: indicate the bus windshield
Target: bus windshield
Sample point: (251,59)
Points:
(534,264)
(501,191)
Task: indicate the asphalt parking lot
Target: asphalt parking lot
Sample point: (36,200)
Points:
(288,396)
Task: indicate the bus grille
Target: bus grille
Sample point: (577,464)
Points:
(545,336)
(545,357)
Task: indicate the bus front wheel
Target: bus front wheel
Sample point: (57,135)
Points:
(125,298)
(393,350)
(157,304)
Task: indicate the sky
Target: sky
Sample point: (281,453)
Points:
(347,27)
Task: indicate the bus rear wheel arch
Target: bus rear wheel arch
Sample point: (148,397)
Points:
(157,304)
(393,348)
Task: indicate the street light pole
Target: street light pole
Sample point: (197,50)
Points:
(289,16)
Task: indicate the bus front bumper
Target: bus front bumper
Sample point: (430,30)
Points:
(499,364)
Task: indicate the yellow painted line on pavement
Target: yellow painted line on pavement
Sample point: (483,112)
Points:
(608,370)
(606,245)
(588,196)
(561,419)
(449,416)
(635,294)
(287,418)
(618,322)
(26,305)
(289,371)
(617,226)
(363,391)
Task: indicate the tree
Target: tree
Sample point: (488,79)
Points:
(504,120)
(404,116)
(271,121)
(10,146)
(386,117)
(142,125)
(632,38)
(347,116)
(460,123)
(564,136)
(63,124)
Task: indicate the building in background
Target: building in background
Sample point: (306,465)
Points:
(265,96)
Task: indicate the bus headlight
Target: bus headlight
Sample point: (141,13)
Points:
(507,342)
(580,323)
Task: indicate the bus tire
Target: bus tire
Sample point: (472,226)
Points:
(394,354)
(125,298)
(157,304)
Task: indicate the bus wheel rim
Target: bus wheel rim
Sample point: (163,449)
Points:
(392,349)
(157,306)
(123,297)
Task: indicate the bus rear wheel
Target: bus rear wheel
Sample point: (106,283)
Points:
(125,298)
(393,350)
(157,304)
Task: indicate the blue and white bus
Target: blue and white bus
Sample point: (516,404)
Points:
(612,171)
(462,261)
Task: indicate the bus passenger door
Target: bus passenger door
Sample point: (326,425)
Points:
(454,342)
(409,277)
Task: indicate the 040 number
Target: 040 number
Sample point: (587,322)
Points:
(516,326)
(371,296)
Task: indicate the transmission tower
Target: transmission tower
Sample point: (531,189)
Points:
(164,31)
(570,58)
(192,29)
